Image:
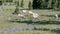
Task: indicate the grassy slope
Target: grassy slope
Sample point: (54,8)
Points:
(6,13)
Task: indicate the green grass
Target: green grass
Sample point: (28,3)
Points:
(33,32)
(6,13)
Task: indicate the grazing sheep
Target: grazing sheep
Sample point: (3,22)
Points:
(24,11)
(21,16)
(56,16)
(9,18)
(30,12)
(35,16)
